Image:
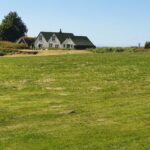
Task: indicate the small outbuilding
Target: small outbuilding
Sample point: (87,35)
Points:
(28,41)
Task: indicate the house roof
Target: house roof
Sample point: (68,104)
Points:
(61,36)
(82,41)
(29,40)
(47,35)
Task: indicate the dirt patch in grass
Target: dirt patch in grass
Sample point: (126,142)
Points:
(25,53)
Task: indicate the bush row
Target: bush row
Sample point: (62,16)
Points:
(4,52)
(108,50)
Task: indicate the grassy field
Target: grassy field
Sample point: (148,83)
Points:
(75,102)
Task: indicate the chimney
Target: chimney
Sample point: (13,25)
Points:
(60,31)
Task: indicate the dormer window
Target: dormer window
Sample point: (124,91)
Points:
(40,37)
(53,38)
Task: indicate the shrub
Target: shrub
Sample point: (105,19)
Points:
(111,50)
(119,50)
(103,50)
(2,53)
(7,51)
(30,52)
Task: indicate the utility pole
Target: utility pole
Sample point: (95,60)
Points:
(139,45)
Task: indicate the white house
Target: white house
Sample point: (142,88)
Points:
(62,40)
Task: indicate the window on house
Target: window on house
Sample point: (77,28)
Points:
(53,38)
(68,45)
(40,46)
(64,46)
(50,45)
(57,46)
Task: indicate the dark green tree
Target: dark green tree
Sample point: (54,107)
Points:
(12,27)
(147,45)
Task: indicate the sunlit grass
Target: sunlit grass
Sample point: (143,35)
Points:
(75,102)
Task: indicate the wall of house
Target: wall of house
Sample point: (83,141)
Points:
(42,42)
(21,42)
(54,44)
(68,42)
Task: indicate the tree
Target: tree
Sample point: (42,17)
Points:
(147,45)
(12,27)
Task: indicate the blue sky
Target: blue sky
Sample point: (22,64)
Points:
(105,22)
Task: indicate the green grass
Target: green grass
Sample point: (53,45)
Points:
(75,102)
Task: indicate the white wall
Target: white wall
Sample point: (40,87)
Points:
(43,42)
(46,44)
(68,41)
(54,43)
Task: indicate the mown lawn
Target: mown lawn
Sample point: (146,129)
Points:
(75,102)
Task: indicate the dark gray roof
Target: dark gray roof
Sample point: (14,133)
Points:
(47,35)
(82,41)
(27,40)
(61,36)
